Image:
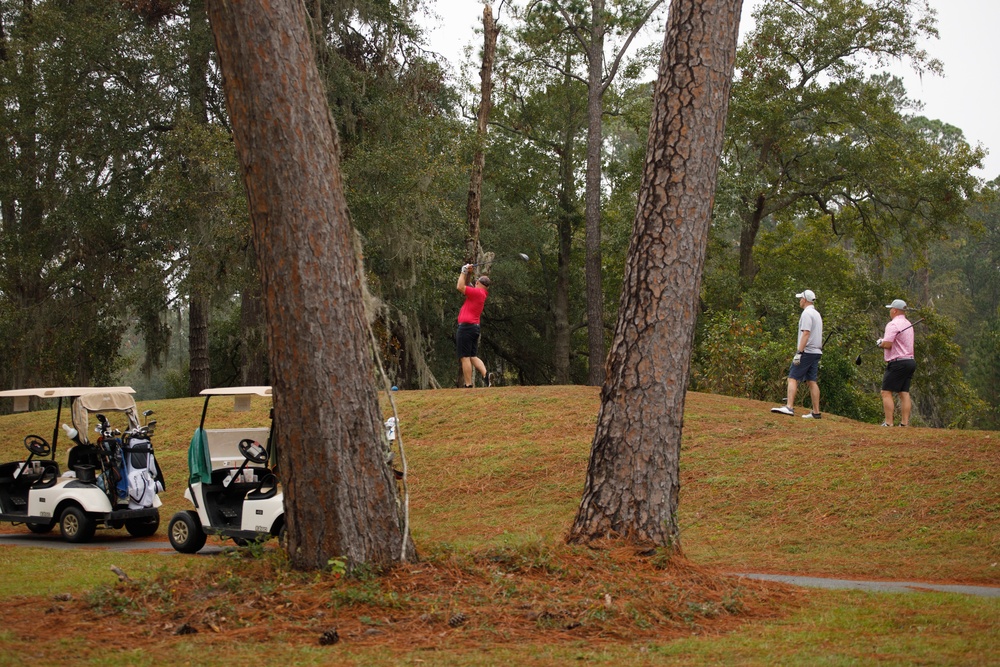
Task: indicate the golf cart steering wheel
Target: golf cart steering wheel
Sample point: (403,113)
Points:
(253,451)
(37,445)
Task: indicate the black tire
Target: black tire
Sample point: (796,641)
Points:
(185,532)
(242,541)
(143,527)
(76,526)
(41,528)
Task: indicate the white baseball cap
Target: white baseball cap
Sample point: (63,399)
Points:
(898,304)
(808,295)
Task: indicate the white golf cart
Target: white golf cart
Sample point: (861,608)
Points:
(231,483)
(111,483)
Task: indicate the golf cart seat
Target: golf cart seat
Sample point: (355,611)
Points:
(48,475)
(264,479)
(39,474)
(266,488)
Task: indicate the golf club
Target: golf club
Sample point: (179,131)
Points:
(857,360)
(520,256)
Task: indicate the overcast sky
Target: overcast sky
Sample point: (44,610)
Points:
(967,96)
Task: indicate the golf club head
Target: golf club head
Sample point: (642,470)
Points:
(857,360)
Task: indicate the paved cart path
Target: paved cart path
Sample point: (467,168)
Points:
(875,586)
(118,543)
(100,542)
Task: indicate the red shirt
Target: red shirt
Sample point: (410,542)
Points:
(475,300)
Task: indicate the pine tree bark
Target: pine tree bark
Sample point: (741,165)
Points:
(633,478)
(199,301)
(340,495)
(592,196)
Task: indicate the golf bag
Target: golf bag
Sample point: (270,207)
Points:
(142,472)
(113,479)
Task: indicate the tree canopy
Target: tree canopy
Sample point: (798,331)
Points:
(817,129)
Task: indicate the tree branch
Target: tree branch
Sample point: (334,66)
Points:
(621,52)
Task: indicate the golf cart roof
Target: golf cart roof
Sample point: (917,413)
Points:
(62,392)
(236,391)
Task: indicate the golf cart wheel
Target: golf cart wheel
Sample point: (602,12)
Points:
(41,528)
(142,527)
(75,525)
(185,532)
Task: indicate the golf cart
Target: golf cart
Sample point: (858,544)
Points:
(232,483)
(111,483)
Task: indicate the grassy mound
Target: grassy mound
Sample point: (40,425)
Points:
(495,479)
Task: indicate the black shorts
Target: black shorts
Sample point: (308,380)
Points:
(467,340)
(808,368)
(898,374)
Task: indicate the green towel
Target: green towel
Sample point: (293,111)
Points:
(199,463)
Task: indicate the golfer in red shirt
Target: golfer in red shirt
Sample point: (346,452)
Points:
(467,338)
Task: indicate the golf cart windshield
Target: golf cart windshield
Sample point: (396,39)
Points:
(92,396)
(100,403)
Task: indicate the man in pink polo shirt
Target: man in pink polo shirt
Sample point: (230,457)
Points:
(467,337)
(897,346)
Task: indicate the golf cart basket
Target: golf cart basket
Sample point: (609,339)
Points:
(129,472)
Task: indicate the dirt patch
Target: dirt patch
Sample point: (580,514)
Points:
(528,595)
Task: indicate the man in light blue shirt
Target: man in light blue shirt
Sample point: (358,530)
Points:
(808,352)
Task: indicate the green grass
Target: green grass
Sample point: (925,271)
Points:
(57,571)
(851,628)
(501,472)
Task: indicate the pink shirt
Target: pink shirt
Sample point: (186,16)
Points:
(902,341)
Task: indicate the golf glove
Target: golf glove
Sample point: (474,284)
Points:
(797,359)
(878,343)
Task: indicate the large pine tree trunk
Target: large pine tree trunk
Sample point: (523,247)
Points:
(633,478)
(199,48)
(595,113)
(340,495)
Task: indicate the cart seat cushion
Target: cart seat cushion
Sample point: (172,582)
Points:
(267,488)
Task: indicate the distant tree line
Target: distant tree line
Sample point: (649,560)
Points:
(126,253)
